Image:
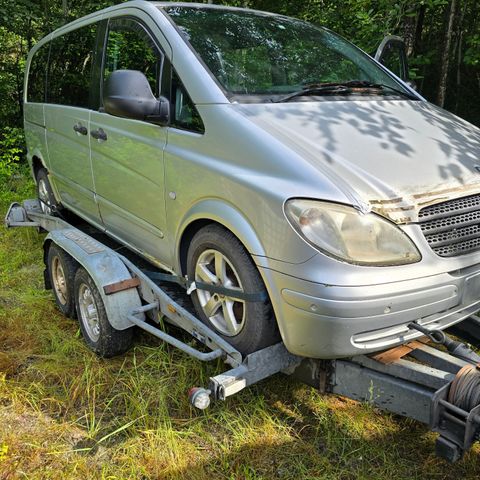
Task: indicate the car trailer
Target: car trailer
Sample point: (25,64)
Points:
(433,379)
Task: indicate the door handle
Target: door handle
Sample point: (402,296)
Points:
(79,128)
(99,134)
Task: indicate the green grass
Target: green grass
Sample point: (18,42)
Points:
(65,413)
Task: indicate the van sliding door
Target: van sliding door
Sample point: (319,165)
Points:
(67,116)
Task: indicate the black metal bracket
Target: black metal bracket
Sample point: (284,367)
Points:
(191,286)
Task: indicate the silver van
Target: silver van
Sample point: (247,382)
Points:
(265,155)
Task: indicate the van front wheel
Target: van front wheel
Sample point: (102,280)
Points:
(216,257)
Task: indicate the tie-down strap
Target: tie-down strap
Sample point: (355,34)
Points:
(233,293)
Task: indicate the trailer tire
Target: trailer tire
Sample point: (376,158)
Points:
(48,202)
(247,326)
(61,269)
(96,329)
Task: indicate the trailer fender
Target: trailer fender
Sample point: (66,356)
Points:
(105,267)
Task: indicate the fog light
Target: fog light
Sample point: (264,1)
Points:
(199,398)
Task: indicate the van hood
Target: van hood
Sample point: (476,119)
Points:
(392,157)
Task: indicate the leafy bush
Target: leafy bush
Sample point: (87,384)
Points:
(12,150)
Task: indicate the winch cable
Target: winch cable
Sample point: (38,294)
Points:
(436,336)
(457,349)
(465,388)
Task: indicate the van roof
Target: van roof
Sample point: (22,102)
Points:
(139,4)
(209,6)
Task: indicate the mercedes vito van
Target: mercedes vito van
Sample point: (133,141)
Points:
(261,153)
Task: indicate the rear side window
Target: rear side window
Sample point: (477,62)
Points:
(37,75)
(130,47)
(70,67)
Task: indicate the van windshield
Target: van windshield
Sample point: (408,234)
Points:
(255,54)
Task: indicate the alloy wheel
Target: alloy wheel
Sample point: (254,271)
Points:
(226,313)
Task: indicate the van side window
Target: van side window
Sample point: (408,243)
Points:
(185,115)
(130,47)
(70,67)
(37,75)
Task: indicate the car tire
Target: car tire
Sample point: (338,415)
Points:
(48,202)
(96,329)
(61,268)
(217,257)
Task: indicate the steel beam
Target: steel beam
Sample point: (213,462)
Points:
(382,390)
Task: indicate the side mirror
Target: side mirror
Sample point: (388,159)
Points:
(127,94)
(392,53)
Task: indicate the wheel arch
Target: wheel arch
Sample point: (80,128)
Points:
(220,213)
(37,163)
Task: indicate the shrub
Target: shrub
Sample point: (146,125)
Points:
(12,150)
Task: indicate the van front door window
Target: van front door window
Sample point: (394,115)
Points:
(130,47)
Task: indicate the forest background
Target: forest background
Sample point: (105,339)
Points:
(442,39)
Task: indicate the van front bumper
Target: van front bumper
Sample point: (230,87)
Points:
(325,321)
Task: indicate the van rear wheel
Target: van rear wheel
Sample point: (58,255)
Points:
(96,329)
(217,257)
(48,203)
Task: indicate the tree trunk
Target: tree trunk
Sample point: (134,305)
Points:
(408,33)
(29,35)
(19,84)
(419,29)
(459,56)
(65,10)
(445,58)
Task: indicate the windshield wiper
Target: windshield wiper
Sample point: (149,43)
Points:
(314,90)
(341,88)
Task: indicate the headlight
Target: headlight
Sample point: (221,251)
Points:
(347,234)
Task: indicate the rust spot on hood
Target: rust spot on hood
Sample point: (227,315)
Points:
(387,201)
(461,189)
(394,208)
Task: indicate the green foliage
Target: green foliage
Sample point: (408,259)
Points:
(472,54)
(12,150)
(422,23)
(11,76)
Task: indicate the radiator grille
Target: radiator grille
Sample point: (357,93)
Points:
(452,228)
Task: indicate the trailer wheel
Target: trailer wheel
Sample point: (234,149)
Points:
(217,257)
(48,203)
(61,269)
(97,331)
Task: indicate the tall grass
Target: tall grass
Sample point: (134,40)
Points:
(65,413)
